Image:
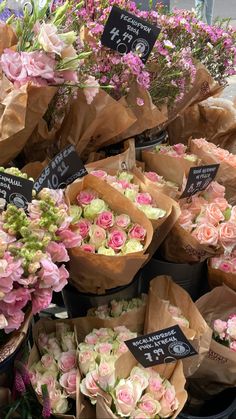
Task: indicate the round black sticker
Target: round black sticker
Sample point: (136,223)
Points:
(179,349)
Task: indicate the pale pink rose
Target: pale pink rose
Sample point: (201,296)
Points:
(42,340)
(85,197)
(169,403)
(143,198)
(58,252)
(156,387)
(104,348)
(231,328)
(139,414)
(83,227)
(105,219)
(89,248)
(127,395)
(196,205)
(49,39)
(153,177)
(222,203)
(89,386)
(215,190)
(53,348)
(140,376)
(122,221)
(91,338)
(232,346)
(97,236)
(12,65)
(117,239)
(68,382)
(39,64)
(47,361)
(213,214)
(220,153)
(174,311)
(227,234)
(186,220)
(206,234)
(220,327)
(137,232)
(99,173)
(179,148)
(148,405)
(91,90)
(47,379)
(225,266)
(122,348)
(67,361)
(87,361)
(106,373)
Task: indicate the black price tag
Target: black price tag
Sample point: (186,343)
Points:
(199,179)
(125,32)
(16,190)
(162,347)
(66,167)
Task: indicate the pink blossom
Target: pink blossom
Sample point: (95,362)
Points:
(49,39)
(69,238)
(12,65)
(17,299)
(85,197)
(137,232)
(14,321)
(41,299)
(143,198)
(91,90)
(63,277)
(105,219)
(38,64)
(117,239)
(58,252)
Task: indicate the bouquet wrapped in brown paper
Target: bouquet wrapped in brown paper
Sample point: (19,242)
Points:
(158,183)
(139,385)
(110,266)
(168,305)
(218,369)
(221,271)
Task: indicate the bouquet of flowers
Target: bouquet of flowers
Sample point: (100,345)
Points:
(117,308)
(56,369)
(111,243)
(177,315)
(32,251)
(172,162)
(224,332)
(222,270)
(165,186)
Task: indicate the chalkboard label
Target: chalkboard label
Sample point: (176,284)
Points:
(16,190)
(66,167)
(162,347)
(199,179)
(125,32)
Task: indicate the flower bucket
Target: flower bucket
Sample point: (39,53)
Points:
(192,277)
(78,303)
(223,406)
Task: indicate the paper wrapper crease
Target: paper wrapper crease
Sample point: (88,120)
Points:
(96,273)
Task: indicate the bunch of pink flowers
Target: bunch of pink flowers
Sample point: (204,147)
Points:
(219,154)
(32,251)
(160,181)
(57,368)
(224,332)
(124,183)
(210,218)
(177,150)
(117,308)
(99,230)
(97,356)
(177,315)
(225,263)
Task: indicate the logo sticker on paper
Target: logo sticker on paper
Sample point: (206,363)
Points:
(125,32)
(16,190)
(162,347)
(64,169)
(199,179)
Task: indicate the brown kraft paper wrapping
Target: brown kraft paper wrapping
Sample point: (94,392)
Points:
(163,289)
(173,372)
(95,273)
(181,247)
(216,277)
(171,168)
(218,369)
(21,110)
(89,127)
(7,37)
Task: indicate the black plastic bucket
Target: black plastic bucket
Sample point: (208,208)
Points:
(222,406)
(191,277)
(78,303)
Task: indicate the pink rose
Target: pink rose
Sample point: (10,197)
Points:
(99,173)
(233,215)
(213,214)
(70,238)
(122,349)
(97,236)
(38,64)
(154,177)
(220,327)
(148,405)
(143,198)
(231,328)
(13,66)
(227,234)
(89,248)
(196,205)
(139,414)
(85,197)
(87,360)
(225,266)
(215,190)
(104,348)
(122,221)
(137,232)
(41,299)
(206,234)
(47,361)
(105,219)
(179,148)
(89,386)
(58,252)
(106,373)
(91,338)
(186,220)
(83,227)
(140,376)
(169,403)
(126,397)
(49,39)
(117,239)
(67,361)
(222,203)
(156,387)
(68,382)
(45,379)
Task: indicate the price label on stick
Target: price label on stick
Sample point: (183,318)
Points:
(16,190)
(199,179)
(162,347)
(125,32)
(66,167)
